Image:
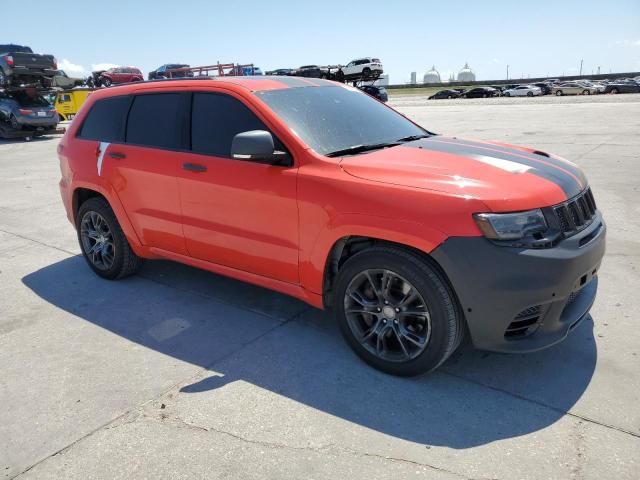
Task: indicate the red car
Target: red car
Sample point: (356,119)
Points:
(315,189)
(117,75)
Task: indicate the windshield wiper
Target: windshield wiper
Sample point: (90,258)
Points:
(361,148)
(411,138)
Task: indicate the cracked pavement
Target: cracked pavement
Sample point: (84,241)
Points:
(179,373)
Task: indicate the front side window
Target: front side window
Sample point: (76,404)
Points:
(155,120)
(333,118)
(216,119)
(106,119)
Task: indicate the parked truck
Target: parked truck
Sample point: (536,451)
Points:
(20,66)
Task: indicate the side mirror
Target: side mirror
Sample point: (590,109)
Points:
(257,145)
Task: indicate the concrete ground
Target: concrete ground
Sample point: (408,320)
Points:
(179,373)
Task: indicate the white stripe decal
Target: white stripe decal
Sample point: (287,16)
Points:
(508,165)
(103,150)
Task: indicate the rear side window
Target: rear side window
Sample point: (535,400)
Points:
(216,119)
(156,120)
(106,120)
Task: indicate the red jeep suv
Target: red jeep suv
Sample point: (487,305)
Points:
(315,189)
(117,75)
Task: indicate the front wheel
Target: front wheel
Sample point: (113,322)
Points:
(529,94)
(106,82)
(396,311)
(559,93)
(507,94)
(103,243)
(614,90)
(586,92)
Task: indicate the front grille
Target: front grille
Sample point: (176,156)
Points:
(576,214)
(524,323)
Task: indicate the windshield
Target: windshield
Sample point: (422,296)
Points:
(29,98)
(329,119)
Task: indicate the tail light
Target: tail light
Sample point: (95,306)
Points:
(9,60)
(25,111)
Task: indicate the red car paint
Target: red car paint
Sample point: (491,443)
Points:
(275,227)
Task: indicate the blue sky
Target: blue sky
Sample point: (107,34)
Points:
(536,38)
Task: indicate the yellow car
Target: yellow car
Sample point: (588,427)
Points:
(68,102)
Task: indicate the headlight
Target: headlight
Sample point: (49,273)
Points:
(510,226)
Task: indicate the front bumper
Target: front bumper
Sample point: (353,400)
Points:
(519,300)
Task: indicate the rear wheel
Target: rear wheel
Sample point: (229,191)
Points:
(366,72)
(106,82)
(484,95)
(396,311)
(103,244)
(559,93)
(14,123)
(586,92)
(529,94)
(507,94)
(614,90)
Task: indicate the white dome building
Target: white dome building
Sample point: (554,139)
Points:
(432,76)
(466,74)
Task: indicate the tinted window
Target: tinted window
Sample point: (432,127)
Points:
(11,48)
(156,121)
(105,122)
(334,118)
(29,98)
(216,119)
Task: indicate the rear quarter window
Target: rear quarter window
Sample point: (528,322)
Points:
(106,120)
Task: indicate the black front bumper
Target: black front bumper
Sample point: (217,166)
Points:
(518,300)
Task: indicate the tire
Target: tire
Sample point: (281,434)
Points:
(449,97)
(13,121)
(106,82)
(614,91)
(484,95)
(529,94)
(586,92)
(366,72)
(441,326)
(507,94)
(559,93)
(3,78)
(124,260)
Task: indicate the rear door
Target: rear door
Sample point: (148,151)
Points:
(237,213)
(143,171)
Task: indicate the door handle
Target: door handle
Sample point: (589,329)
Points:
(117,155)
(194,167)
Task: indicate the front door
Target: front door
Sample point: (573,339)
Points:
(237,213)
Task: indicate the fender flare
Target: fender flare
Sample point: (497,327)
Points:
(118,209)
(403,232)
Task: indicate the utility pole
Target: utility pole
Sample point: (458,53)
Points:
(581,66)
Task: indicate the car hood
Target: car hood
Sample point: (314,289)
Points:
(503,177)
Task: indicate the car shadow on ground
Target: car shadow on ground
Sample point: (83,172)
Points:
(44,138)
(474,399)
